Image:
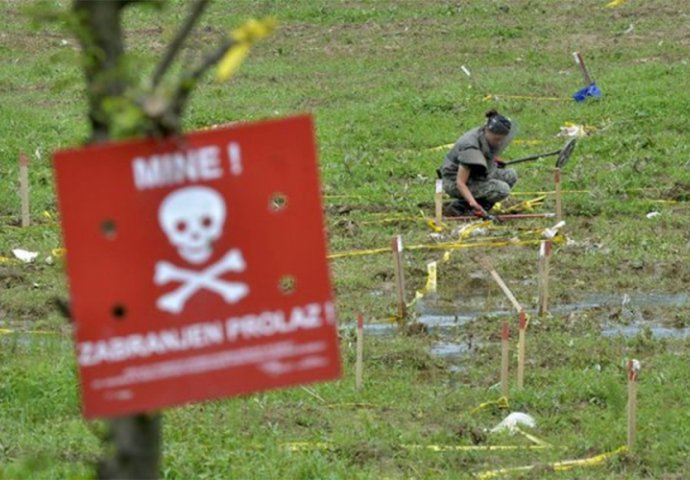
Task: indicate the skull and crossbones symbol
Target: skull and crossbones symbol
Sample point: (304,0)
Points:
(192,218)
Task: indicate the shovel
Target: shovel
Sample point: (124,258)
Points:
(563,155)
(591,90)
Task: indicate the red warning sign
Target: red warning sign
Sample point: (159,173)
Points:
(197,266)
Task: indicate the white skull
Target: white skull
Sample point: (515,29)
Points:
(192,219)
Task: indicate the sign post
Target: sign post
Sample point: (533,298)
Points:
(359,361)
(24,189)
(544,256)
(633,373)
(183,285)
(522,329)
(397,247)
(438,203)
(505,358)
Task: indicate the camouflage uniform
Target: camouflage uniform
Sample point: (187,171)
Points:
(488,183)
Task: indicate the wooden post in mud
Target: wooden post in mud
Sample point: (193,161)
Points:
(360,352)
(505,358)
(497,278)
(521,350)
(438,202)
(559,204)
(431,279)
(633,372)
(397,246)
(544,256)
(24,188)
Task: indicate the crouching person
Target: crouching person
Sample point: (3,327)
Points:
(472,173)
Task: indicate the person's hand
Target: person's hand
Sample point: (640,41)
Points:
(478,211)
(499,162)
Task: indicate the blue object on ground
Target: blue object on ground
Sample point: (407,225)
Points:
(589,91)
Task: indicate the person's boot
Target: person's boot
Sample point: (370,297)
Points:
(486,205)
(458,208)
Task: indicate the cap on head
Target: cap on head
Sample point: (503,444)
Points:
(497,123)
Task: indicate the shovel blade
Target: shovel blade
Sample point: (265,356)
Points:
(589,91)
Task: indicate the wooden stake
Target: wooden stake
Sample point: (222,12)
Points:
(397,246)
(505,358)
(581,63)
(360,352)
(559,207)
(633,372)
(521,350)
(431,281)
(438,201)
(487,265)
(24,188)
(505,216)
(544,255)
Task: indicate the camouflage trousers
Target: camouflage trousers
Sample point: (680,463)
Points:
(491,189)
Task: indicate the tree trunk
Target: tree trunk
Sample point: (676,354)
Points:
(100,34)
(135,441)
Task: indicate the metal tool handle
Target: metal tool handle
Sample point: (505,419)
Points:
(581,63)
(533,157)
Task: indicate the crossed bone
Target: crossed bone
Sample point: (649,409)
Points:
(193,281)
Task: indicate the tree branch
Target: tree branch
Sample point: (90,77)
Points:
(190,80)
(166,112)
(174,46)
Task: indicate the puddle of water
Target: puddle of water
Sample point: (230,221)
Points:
(26,341)
(446,321)
(638,299)
(449,349)
(442,322)
(634,329)
(597,300)
(380,328)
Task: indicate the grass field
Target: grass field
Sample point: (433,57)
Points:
(384,82)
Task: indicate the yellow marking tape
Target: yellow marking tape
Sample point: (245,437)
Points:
(344,196)
(441,147)
(55,252)
(615,3)
(431,280)
(358,253)
(431,223)
(527,205)
(517,142)
(352,404)
(244,36)
(7,331)
(472,448)
(524,97)
(390,220)
(304,446)
(437,246)
(429,286)
(501,403)
(467,230)
(532,438)
(547,192)
(557,466)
